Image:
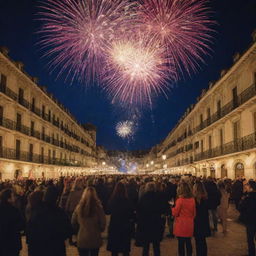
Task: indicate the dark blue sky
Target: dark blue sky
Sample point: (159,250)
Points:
(18,27)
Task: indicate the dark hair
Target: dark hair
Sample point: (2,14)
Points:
(252,184)
(5,195)
(119,191)
(51,195)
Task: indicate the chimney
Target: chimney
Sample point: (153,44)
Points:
(254,35)
(223,72)
(4,50)
(19,65)
(35,79)
(236,56)
(211,84)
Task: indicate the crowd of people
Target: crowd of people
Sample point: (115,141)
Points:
(51,212)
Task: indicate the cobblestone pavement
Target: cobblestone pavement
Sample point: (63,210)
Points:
(231,244)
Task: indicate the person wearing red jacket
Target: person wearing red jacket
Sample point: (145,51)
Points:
(184,213)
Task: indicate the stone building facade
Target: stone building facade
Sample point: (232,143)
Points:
(217,135)
(38,136)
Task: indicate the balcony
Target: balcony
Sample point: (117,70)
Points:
(13,154)
(238,145)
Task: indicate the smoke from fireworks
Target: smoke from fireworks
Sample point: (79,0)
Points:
(143,46)
(125,129)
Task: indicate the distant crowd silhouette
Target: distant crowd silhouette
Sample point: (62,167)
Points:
(49,212)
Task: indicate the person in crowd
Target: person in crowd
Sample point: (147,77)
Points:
(48,227)
(90,221)
(65,194)
(247,209)
(214,197)
(237,191)
(11,224)
(201,222)
(150,212)
(184,213)
(223,207)
(35,200)
(120,227)
(102,192)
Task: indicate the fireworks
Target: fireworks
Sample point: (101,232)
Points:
(76,33)
(125,129)
(134,49)
(136,69)
(183,27)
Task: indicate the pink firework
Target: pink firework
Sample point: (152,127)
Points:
(76,33)
(183,27)
(136,69)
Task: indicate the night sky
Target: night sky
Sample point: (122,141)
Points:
(18,25)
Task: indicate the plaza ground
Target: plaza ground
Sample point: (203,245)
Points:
(231,244)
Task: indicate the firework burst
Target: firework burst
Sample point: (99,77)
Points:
(76,33)
(135,70)
(125,129)
(183,27)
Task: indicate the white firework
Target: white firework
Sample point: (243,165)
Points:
(125,129)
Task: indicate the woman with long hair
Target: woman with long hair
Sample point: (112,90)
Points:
(184,213)
(202,224)
(224,203)
(90,219)
(120,227)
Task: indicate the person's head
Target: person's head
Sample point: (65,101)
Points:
(51,195)
(184,190)
(119,191)
(88,203)
(199,191)
(6,196)
(35,198)
(78,184)
(251,186)
(150,187)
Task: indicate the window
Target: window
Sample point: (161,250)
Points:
(3,80)
(43,133)
(254,121)
(208,114)
(210,142)
(32,128)
(18,122)
(49,115)
(219,108)
(17,149)
(21,95)
(236,130)
(201,119)
(1,114)
(197,144)
(33,104)
(49,156)
(42,155)
(235,98)
(43,111)
(1,146)
(202,146)
(221,137)
(30,152)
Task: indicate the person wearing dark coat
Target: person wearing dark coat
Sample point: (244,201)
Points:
(11,224)
(48,227)
(149,228)
(237,192)
(201,221)
(120,227)
(247,210)
(214,197)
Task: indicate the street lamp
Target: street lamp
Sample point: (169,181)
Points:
(152,162)
(164,157)
(147,165)
(103,163)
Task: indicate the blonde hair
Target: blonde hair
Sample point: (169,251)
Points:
(89,203)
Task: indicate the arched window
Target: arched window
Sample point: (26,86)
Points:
(239,170)
(224,171)
(17,174)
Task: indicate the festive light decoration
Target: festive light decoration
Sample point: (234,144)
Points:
(125,129)
(135,49)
